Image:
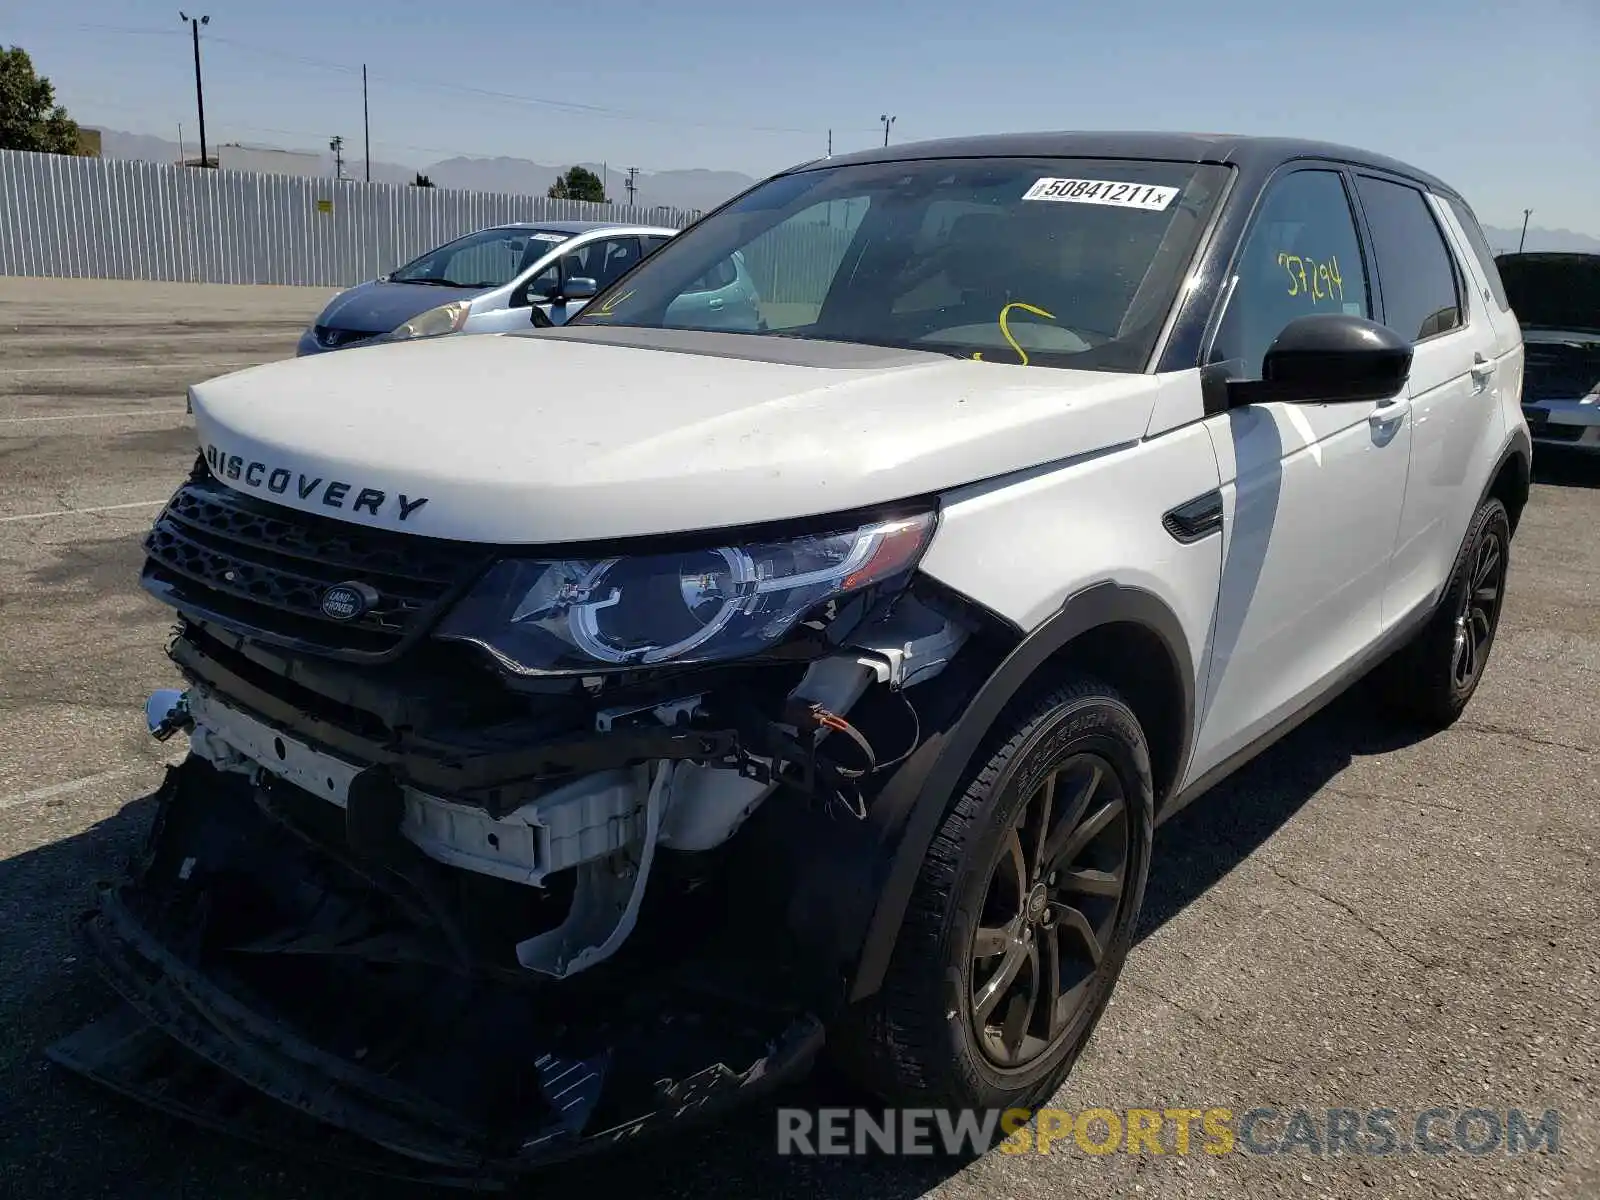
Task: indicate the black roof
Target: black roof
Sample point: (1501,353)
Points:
(1258,153)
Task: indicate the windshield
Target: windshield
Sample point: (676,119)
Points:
(1044,262)
(485,259)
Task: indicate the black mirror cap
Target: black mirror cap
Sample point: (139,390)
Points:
(579,287)
(1329,358)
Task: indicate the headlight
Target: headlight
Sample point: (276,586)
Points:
(447,318)
(587,616)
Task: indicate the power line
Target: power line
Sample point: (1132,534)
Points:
(412,81)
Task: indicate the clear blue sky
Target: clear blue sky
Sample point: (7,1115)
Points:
(1502,100)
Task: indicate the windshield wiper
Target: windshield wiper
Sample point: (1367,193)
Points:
(449,283)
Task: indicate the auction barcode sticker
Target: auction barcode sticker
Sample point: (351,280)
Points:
(1102,191)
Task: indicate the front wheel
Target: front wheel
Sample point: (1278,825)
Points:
(1022,914)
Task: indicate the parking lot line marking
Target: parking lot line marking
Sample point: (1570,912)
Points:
(86,370)
(66,789)
(106,415)
(67,512)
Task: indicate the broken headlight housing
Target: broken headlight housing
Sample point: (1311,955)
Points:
(709,604)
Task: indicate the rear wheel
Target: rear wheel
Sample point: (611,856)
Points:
(1022,915)
(1433,677)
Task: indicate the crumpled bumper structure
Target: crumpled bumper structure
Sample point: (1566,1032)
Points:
(278,986)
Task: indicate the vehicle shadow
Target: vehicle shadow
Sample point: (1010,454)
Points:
(1562,466)
(61,1135)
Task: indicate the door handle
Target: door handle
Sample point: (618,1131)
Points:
(1483,367)
(1390,411)
(717,303)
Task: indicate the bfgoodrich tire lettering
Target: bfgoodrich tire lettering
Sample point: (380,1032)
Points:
(999,887)
(1433,677)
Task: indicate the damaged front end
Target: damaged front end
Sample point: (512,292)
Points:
(412,907)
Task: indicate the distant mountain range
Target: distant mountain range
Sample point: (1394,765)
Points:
(1504,240)
(692,189)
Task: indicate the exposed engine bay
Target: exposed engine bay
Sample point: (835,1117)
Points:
(469,922)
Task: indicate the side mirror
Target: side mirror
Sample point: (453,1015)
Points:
(579,288)
(1328,358)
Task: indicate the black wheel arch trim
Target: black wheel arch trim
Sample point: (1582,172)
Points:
(907,815)
(1519,445)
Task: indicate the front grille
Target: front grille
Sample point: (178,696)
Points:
(333,339)
(261,569)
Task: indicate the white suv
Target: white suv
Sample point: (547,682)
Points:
(585,750)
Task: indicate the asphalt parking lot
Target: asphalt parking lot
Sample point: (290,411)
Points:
(1359,919)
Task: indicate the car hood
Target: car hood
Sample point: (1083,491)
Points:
(573,435)
(377,306)
(1553,291)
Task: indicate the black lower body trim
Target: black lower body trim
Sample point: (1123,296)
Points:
(1353,672)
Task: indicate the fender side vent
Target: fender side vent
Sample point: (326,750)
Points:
(1195,519)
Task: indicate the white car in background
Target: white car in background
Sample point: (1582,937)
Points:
(1556,297)
(486,282)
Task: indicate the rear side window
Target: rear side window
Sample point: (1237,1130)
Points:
(1418,277)
(720,276)
(1301,256)
(1480,247)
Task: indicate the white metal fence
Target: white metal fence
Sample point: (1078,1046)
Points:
(114,219)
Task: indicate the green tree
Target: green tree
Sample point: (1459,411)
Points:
(30,118)
(421,181)
(579,183)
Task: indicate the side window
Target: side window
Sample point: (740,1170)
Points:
(1302,255)
(654,242)
(1421,296)
(545,282)
(608,259)
(601,260)
(720,276)
(1468,221)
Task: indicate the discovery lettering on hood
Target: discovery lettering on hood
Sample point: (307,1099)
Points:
(334,493)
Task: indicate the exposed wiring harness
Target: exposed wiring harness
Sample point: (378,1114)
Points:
(821,718)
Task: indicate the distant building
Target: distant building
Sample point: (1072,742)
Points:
(266,161)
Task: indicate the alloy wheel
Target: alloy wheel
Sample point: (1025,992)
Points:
(1050,910)
(1479,612)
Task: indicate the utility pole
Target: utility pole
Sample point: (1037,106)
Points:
(366,127)
(180,143)
(337,146)
(633,173)
(194,24)
(830,143)
(1526,213)
(887,121)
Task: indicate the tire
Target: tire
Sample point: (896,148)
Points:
(1424,682)
(918,1041)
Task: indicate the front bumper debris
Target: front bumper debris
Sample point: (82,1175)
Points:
(269,989)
